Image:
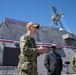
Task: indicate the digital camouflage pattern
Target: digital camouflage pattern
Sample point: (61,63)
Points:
(28,57)
(74,63)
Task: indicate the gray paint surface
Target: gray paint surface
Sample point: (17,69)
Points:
(12,31)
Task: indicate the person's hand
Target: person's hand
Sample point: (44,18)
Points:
(42,49)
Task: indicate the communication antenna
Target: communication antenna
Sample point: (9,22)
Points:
(56,18)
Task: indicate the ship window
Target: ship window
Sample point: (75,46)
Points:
(42,31)
(45,31)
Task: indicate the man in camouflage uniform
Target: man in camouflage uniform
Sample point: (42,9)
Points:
(29,52)
(74,63)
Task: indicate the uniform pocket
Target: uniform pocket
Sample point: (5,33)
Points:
(26,66)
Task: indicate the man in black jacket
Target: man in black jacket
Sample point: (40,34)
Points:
(53,62)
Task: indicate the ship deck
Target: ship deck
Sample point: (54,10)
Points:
(12,70)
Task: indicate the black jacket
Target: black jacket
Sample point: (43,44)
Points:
(53,63)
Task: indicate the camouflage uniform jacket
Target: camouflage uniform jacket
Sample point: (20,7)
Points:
(74,63)
(28,57)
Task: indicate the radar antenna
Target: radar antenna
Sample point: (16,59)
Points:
(56,18)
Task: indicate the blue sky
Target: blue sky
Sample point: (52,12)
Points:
(39,11)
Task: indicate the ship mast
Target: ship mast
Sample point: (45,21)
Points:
(56,18)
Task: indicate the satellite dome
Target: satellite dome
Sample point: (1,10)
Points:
(61,29)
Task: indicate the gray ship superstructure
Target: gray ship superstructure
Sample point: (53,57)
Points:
(10,32)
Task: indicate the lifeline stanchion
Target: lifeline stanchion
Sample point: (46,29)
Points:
(67,63)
